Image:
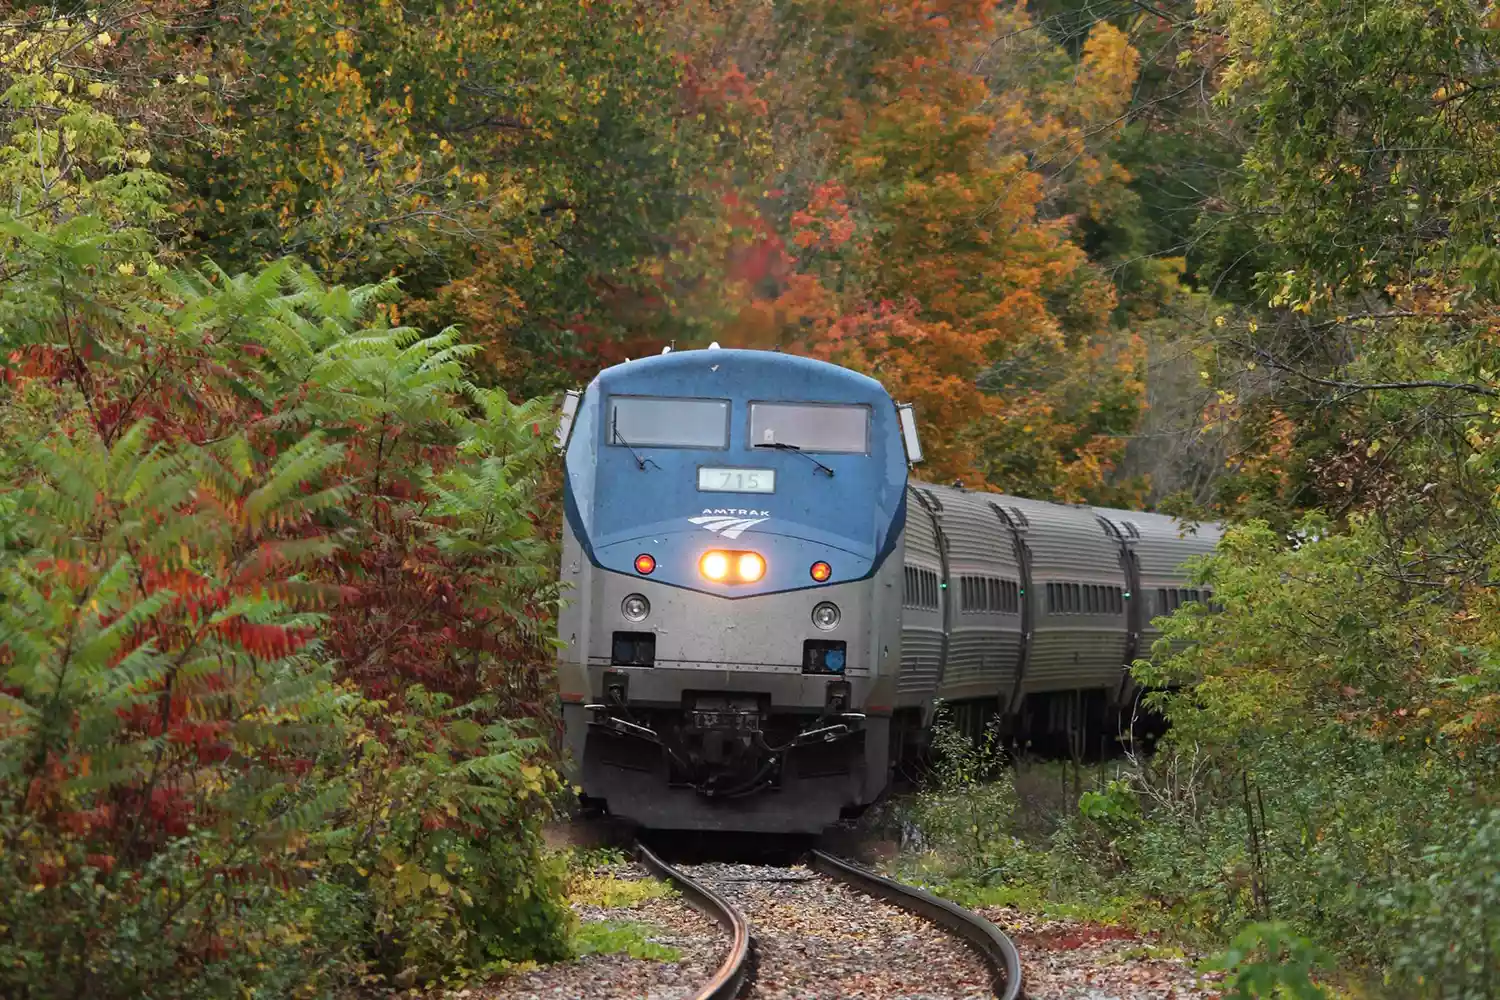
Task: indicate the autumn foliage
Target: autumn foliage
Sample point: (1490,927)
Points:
(284,287)
(273,597)
(881,207)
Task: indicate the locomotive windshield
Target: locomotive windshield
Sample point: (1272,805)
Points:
(822,427)
(664,422)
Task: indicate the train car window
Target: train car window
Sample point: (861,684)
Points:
(1076,598)
(992,587)
(811,426)
(662,422)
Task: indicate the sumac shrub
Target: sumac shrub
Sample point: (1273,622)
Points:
(235,508)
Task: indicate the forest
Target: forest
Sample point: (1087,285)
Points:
(289,290)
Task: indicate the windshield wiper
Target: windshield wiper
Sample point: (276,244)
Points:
(614,427)
(782,446)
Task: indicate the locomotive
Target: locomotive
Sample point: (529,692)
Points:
(762,609)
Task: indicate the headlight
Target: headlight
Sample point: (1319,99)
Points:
(751,566)
(635,607)
(826,616)
(714,565)
(731,567)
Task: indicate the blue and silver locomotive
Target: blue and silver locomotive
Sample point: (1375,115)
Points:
(761,608)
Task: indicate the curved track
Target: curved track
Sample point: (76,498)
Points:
(734,971)
(998,950)
(735,974)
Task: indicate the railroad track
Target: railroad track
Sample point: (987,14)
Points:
(831,923)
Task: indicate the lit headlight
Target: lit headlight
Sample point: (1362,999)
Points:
(826,616)
(732,566)
(635,607)
(751,566)
(714,565)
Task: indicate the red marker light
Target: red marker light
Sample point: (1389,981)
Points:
(645,563)
(821,571)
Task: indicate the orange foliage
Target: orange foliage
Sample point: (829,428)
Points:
(896,227)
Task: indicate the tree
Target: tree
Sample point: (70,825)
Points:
(514,164)
(183,465)
(884,218)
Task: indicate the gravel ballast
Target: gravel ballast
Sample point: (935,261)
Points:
(817,939)
(675,924)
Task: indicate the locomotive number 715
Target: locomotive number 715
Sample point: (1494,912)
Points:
(712,480)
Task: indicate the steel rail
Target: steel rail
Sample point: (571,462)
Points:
(732,973)
(998,950)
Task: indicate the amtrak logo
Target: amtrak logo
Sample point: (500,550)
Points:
(730,522)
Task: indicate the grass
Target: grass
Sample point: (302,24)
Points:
(607,937)
(1037,895)
(605,890)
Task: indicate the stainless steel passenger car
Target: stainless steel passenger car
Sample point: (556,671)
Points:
(1032,610)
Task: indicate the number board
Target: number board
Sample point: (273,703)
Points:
(712,480)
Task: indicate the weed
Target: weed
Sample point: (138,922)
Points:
(594,890)
(607,937)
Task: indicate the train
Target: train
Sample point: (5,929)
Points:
(763,608)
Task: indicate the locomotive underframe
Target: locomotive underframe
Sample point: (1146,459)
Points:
(727,767)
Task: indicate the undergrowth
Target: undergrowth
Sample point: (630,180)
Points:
(629,936)
(608,891)
(1295,889)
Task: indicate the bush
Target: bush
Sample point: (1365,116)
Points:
(442,843)
(1445,928)
(207,483)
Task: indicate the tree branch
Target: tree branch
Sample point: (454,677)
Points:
(1351,388)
